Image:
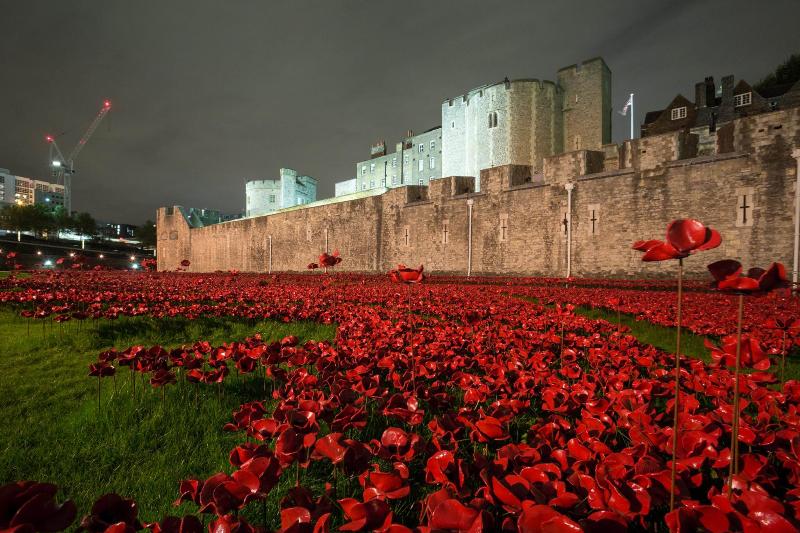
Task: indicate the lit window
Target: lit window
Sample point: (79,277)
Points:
(433,145)
(432,163)
(421,164)
(743,99)
(372,168)
(678,113)
(421,147)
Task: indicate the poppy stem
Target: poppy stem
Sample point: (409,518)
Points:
(676,410)
(98,394)
(734,465)
(783,357)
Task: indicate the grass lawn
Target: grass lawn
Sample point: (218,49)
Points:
(20,275)
(139,448)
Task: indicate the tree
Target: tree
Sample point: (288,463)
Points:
(787,72)
(62,220)
(146,233)
(85,225)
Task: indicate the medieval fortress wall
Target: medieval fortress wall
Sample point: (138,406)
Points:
(531,185)
(743,187)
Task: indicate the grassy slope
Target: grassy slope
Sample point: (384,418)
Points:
(143,448)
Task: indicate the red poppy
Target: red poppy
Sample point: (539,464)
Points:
(386,485)
(28,506)
(327,260)
(403,274)
(173,524)
(751,354)
(112,510)
(727,277)
(684,237)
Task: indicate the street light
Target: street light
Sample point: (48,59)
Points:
(56,164)
(38,252)
(101,256)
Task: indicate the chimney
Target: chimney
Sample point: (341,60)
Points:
(711,92)
(727,90)
(700,94)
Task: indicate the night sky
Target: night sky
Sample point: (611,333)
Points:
(208,94)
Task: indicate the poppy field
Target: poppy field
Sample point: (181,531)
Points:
(238,402)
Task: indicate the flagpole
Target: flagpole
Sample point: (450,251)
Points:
(631,115)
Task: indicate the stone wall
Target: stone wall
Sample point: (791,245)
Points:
(621,194)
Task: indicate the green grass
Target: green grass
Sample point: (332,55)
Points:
(139,448)
(6,273)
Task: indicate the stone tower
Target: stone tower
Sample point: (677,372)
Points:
(586,104)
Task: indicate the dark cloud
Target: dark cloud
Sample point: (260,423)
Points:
(207,94)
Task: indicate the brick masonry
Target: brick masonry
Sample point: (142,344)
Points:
(631,191)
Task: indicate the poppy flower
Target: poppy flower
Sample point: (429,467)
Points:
(28,506)
(112,510)
(728,277)
(386,485)
(230,524)
(751,353)
(403,274)
(543,519)
(684,237)
(173,524)
(327,260)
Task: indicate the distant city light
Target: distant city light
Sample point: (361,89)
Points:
(101,256)
(38,252)
(133,258)
(56,164)
(72,254)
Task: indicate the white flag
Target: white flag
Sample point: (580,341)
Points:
(628,104)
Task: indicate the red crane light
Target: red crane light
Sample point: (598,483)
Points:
(107,103)
(49,138)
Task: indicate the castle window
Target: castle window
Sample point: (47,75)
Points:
(503,229)
(678,113)
(372,168)
(407,235)
(363,186)
(383,182)
(577,142)
(745,206)
(743,99)
(432,161)
(364,170)
(453,124)
(493,119)
(371,184)
(594,219)
(421,181)
(272,198)
(421,147)
(394,162)
(421,164)
(433,145)
(445,231)
(394,180)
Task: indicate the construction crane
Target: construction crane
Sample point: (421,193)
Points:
(64,167)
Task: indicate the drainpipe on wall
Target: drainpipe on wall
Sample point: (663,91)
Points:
(569,187)
(469,237)
(796,155)
(270,255)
